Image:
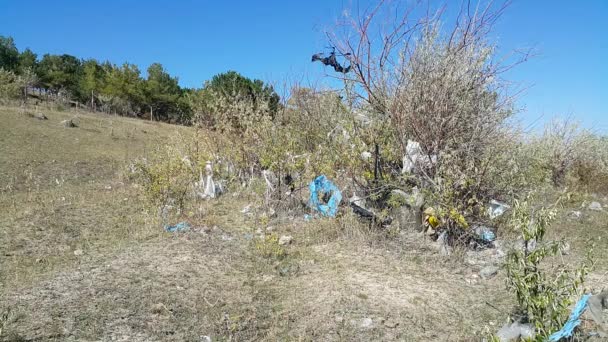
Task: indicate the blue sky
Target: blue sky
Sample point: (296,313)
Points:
(273,41)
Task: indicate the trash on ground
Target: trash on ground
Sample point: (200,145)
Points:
(597,304)
(324,187)
(496,209)
(246,209)
(515,332)
(180,227)
(358,205)
(366,155)
(573,321)
(597,206)
(207,188)
(444,246)
(485,234)
(414,157)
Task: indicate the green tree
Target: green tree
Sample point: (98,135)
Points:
(27,60)
(9,55)
(232,101)
(9,85)
(59,72)
(91,81)
(233,85)
(124,85)
(161,92)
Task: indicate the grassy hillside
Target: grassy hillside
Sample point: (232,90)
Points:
(82,258)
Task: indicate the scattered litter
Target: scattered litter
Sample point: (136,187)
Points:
(575,214)
(486,234)
(226,237)
(596,305)
(444,247)
(488,272)
(366,155)
(247,209)
(597,206)
(248,236)
(496,209)
(515,332)
(531,245)
(206,188)
(285,240)
(358,205)
(321,185)
(180,227)
(271,179)
(414,157)
(573,321)
(78,252)
(205,338)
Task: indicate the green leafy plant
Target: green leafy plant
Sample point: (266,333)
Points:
(543,294)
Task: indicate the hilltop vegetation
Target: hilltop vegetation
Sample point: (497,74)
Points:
(119,89)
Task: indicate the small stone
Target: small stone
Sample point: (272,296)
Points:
(259,231)
(575,214)
(488,272)
(366,323)
(595,206)
(285,240)
(68,123)
(339,318)
(270,229)
(78,252)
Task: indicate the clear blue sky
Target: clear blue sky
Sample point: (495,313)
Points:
(273,41)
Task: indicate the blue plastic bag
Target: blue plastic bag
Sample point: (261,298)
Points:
(573,321)
(322,185)
(180,227)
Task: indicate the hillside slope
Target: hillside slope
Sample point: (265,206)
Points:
(82,258)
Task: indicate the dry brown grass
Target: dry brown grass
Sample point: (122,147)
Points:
(63,190)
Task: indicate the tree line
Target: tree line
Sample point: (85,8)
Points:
(120,89)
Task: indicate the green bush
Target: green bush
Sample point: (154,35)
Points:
(544,295)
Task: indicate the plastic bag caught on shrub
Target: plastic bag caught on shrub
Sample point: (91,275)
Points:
(323,187)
